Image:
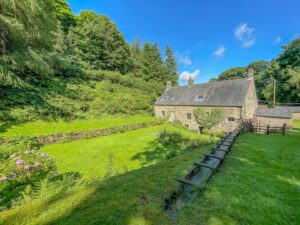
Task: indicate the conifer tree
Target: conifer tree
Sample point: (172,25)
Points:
(99,44)
(171,66)
(152,63)
(136,52)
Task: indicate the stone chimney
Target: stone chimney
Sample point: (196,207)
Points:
(250,74)
(168,85)
(190,81)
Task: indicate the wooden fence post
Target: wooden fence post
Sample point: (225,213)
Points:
(283,129)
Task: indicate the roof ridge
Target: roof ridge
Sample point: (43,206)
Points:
(214,82)
(226,92)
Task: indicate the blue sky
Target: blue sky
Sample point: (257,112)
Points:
(207,37)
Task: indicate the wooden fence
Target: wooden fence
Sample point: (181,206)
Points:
(256,128)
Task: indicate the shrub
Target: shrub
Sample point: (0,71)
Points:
(26,167)
(171,138)
(23,163)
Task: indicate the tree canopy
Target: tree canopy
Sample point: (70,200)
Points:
(285,69)
(42,41)
(171,66)
(208,119)
(26,23)
(233,73)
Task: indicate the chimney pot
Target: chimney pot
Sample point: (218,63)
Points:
(168,85)
(190,81)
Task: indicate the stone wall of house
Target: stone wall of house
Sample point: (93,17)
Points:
(180,113)
(251,102)
(296,116)
(273,122)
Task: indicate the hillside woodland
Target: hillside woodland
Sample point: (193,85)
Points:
(54,64)
(285,69)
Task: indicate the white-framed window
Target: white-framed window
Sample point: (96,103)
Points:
(163,113)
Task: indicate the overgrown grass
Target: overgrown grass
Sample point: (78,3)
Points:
(135,197)
(52,127)
(259,183)
(116,153)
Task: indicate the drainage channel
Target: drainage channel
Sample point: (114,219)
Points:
(194,182)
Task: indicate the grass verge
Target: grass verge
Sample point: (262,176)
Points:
(258,183)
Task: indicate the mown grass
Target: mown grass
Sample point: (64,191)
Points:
(52,127)
(258,183)
(135,197)
(116,153)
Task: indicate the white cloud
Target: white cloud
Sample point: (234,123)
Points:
(184,60)
(220,51)
(186,74)
(277,40)
(245,35)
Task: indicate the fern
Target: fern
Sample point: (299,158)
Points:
(42,188)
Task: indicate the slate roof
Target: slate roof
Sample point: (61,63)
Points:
(293,109)
(274,113)
(219,93)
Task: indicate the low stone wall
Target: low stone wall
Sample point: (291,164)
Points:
(65,137)
(273,122)
(296,116)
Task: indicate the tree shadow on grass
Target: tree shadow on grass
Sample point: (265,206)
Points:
(123,199)
(6,126)
(156,152)
(159,149)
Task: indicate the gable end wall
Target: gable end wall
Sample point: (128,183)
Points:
(250,103)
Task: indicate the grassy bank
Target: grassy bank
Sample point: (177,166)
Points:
(116,153)
(258,184)
(133,196)
(37,128)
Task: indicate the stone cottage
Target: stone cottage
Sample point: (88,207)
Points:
(236,97)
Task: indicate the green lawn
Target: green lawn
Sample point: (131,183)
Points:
(259,183)
(135,197)
(117,153)
(52,127)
